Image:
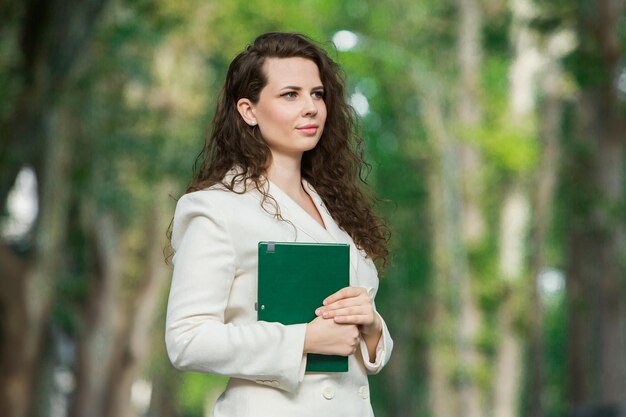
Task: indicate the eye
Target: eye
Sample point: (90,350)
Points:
(290,94)
(318,94)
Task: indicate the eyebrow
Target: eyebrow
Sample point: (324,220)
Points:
(293,87)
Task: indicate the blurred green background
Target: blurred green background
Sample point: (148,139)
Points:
(496,131)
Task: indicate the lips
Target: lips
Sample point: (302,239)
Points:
(309,129)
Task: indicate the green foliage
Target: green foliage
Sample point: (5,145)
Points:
(555,340)
(586,64)
(510,145)
(487,343)
(199,391)
(513,149)
(11,78)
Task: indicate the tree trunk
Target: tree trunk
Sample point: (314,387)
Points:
(440,353)
(472,218)
(142,309)
(596,295)
(121,313)
(164,399)
(53,35)
(513,223)
(543,201)
(515,211)
(450,263)
(26,301)
(470,117)
(97,344)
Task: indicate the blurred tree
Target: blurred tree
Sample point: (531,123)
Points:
(515,207)
(138,133)
(52,39)
(554,90)
(596,198)
(454,172)
(472,218)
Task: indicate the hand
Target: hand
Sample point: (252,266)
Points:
(329,338)
(351,305)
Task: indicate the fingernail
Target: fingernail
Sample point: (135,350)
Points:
(317,312)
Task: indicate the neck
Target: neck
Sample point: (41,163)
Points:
(284,171)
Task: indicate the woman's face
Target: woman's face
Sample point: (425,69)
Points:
(290,112)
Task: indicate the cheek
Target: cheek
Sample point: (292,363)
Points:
(279,117)
(322,114)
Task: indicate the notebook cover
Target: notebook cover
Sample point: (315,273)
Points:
(294,279)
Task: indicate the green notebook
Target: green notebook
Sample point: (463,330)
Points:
(294,279)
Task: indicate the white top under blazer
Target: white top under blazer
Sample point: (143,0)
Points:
(212,325)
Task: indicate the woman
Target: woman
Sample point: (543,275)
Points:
(281,164)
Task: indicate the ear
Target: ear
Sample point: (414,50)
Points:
(246,110)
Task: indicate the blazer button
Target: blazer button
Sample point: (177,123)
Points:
(328,393)
(364,392)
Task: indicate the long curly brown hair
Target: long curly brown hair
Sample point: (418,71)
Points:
(335,167)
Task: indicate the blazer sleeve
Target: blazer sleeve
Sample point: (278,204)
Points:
(385,343)
(197,338)
(383,350)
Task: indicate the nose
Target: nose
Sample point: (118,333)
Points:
(309,107)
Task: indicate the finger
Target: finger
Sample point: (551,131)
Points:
(360,301)
(353,319)
(349,311)
(346,292)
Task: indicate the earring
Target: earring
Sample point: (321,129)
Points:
(253,123)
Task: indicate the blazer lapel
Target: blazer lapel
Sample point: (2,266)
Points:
(332,228)
(303,221)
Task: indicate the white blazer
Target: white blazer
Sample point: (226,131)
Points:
(212,325)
